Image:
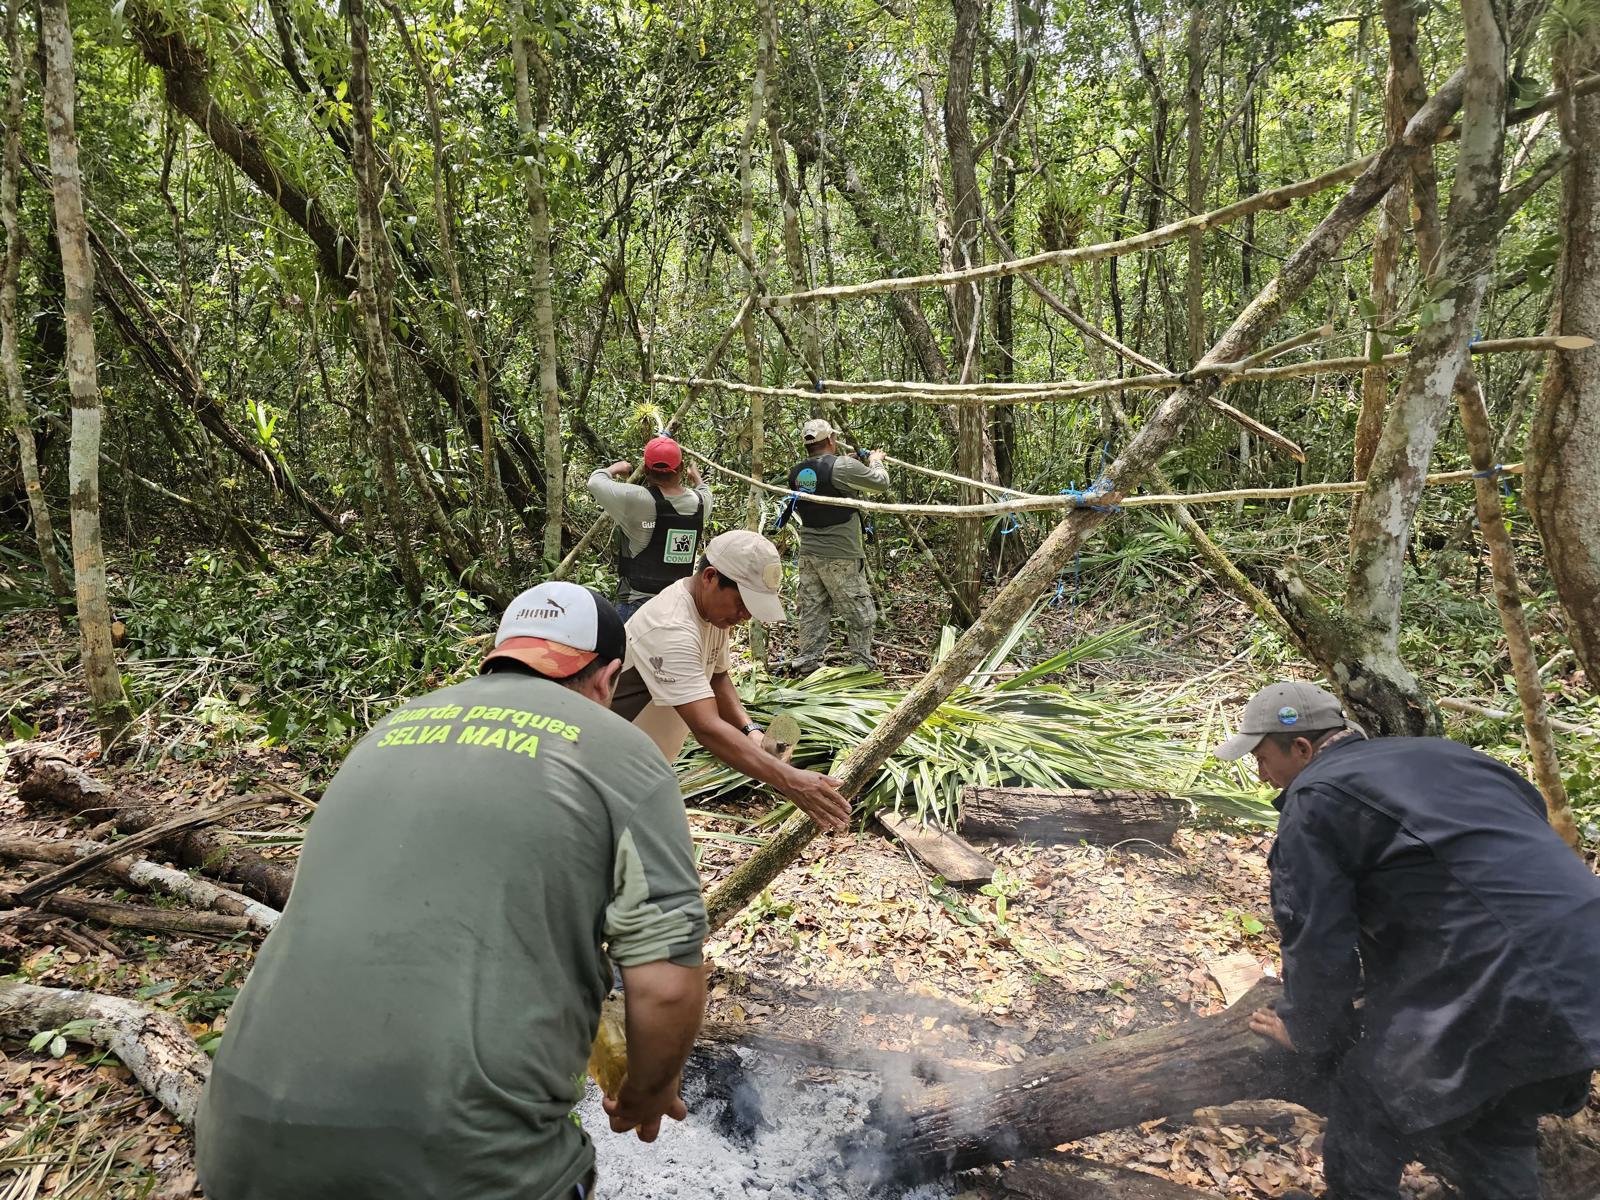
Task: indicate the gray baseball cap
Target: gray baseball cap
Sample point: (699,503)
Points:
(1282,708)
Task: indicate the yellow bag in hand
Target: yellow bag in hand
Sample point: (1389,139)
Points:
(608,1057)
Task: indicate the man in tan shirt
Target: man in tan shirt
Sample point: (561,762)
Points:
(675,678)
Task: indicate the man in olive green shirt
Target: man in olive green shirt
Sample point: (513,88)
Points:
(418,1023)
(833,563)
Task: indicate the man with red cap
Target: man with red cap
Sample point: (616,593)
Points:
(660,525)
(417,1024)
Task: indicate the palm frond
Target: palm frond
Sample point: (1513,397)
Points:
(1022,732)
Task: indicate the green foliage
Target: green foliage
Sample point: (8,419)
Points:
(1003,727)
(318,648)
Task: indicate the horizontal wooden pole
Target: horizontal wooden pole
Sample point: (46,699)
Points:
(1079,500)
(879,392)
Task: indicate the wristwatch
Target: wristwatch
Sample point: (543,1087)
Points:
(750,727)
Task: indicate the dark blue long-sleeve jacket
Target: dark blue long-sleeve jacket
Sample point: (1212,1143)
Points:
(1424,876)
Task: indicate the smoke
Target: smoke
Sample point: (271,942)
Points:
(762,1128)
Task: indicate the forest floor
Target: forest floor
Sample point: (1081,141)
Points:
(855,945)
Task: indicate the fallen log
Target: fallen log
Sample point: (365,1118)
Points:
(1069,1177)
(1100,816)
(946,854)
(1024,1112)
(133,916)
(153,1045)
(143,874)
(1028,1110)
(45,780)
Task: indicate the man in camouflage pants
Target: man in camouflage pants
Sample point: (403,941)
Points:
(833,564)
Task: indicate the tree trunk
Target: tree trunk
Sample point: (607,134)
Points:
(907,308)
(111,711)
(533,113)
(1194,135)
(375,301)
(965,298)
(1508,599)
(1564,439)
(444,214)
(1163,426)
(1364,661)
(1403,95)
(754,372)
(153,1045)
(16,401)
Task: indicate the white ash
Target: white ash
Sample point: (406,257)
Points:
(793,1152)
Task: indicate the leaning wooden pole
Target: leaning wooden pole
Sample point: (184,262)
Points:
(1135,461)
(1508,599)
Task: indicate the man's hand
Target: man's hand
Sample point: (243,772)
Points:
(875,459)
(758,736)
(818,796)
(691,474)
(1270,1026)
(643,1111)
(620,469)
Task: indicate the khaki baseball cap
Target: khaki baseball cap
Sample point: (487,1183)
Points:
(816,430)
(753,563)
(1282,708)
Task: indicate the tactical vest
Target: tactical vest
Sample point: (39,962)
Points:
(670,553)
(814,477)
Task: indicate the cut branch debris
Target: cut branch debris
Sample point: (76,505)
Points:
(142,873)
(48,781)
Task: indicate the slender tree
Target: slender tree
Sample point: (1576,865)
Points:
(533,113)
(110,703)
(17,404)
(747,247)
(966,311)
(1564,439)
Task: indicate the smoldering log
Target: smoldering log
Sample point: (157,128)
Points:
(1028,1110)
(1024,1112)
(1100,816)
(47,781)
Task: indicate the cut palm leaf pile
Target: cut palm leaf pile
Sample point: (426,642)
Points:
(1003,727)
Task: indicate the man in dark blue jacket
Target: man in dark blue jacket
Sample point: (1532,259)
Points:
(1424,877)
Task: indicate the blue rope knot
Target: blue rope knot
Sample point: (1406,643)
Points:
(1087,497)
(1493,472)
(1011,525)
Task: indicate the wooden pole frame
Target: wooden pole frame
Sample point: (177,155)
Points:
(1090,499)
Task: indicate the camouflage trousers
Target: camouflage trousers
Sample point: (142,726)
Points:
(834,587)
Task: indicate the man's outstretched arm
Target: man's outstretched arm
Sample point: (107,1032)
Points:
(664,1004)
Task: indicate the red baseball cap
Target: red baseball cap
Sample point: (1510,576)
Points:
(662,454)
